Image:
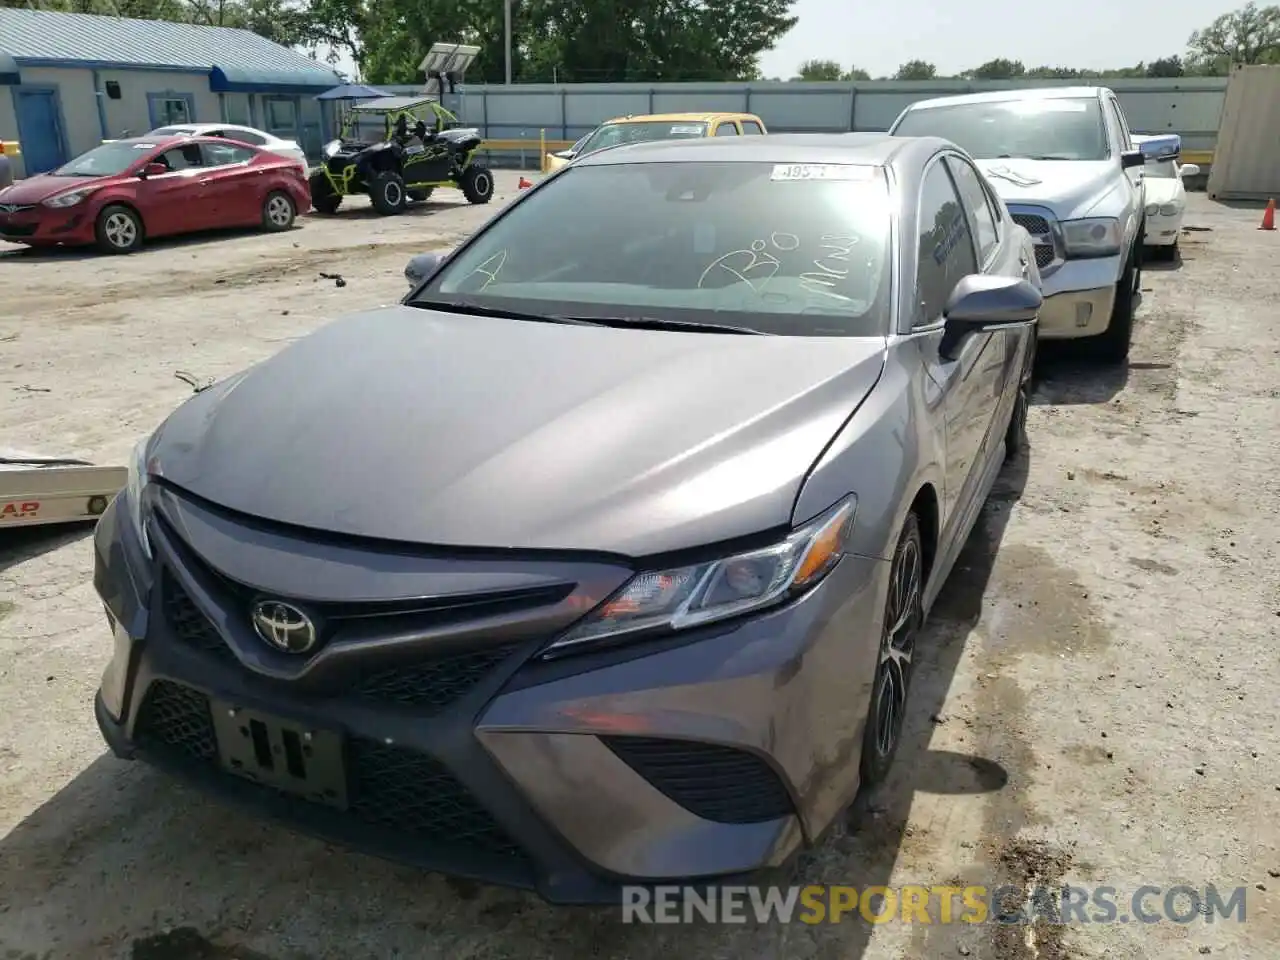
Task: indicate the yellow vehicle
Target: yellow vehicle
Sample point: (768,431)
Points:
(658,126)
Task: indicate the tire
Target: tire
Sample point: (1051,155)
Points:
(476,183)
(422,195)
(1016,439)
(1112,346)
(118,229)
(324,199)
(278,212)
(903,616)
(386,190)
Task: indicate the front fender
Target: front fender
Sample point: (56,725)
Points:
(883,455)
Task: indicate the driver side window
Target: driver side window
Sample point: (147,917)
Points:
(180,158)
(945,251)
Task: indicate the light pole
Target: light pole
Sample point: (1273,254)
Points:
(506,23)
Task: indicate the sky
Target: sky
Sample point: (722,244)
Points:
(1090,34)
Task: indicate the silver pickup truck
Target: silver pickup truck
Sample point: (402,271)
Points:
(1063,161)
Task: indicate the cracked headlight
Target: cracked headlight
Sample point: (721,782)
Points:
(139,477)
(1093,237)
(683,597)
(1170,209)
(1152,209)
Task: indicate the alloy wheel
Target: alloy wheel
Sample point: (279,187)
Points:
(120,230)
(898,645)
(278,211)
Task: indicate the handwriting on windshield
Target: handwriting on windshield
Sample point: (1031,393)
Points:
(755,266)
(489,269)
(759,264)
(832,267)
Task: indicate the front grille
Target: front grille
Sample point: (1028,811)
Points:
(427,685)
(716,783)
(390,787)
(176,718)
(1041,234)
(17,230)
(1034,225)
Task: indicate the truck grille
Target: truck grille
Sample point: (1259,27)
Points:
(390,787)
(1041,234)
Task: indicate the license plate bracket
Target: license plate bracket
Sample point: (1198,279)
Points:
(284,755)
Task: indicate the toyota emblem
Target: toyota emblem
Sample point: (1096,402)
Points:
(284,626)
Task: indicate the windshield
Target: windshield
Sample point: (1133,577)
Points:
(1165,169)
(106,160)
(1052,129)
(795,250)
(613,134)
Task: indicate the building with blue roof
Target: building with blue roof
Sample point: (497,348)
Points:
(68,81)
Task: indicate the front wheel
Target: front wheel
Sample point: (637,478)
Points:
(387,192)
(118,230)
(324,199)
(1112,345)
(278,212)
(903,616)
(477,184)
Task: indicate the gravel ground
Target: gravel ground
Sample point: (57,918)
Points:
(1098,705)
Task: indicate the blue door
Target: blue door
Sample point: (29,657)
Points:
(40,129)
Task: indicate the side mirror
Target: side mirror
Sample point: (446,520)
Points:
(152,170)
(980,302)
(1132,158)
(423,266)
(1189,170)
(565,155)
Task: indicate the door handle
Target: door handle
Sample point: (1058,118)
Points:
(205,182)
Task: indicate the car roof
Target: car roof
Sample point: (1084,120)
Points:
(858,149)
(389,104)
(687,117)
(1004,96)
(196,128)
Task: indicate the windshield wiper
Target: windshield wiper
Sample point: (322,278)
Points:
(470,308)
(661,323)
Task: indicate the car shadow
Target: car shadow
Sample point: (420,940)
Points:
(419,208)
(25,543)
(1163,266)
(158,245)
(197,881)
(1066,375)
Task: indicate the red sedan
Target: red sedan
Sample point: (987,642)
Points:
(123,192)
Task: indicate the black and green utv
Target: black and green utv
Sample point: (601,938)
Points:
(422,148)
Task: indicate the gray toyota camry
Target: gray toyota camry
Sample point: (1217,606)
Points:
(601,559)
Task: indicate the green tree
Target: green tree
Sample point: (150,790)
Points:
(998,69)
(916,70)
(855,73)
(1249,35)
(1166,67)
(820,70)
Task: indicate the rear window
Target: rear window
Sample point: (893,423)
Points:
(789,249)
(614,134)
(1066,128)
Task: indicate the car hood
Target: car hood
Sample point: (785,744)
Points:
(432,428)
(42,187)
(1071,188)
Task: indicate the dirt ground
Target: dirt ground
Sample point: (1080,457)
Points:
(1098,704)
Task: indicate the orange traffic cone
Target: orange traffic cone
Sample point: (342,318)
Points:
(525,184)
(1269,218)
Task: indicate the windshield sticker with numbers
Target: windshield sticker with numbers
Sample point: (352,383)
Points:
(686,128)
(143,146)
(821,171)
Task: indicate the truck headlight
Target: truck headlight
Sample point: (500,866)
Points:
(1170,209)
(683,597)
(1093,237)
(139,477)
(1152,209)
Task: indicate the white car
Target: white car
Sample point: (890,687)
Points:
(233,131)
(1166,194)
